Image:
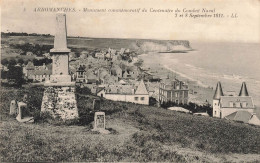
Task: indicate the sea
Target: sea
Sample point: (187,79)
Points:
(209,62)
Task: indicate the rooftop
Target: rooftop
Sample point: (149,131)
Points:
(236,102)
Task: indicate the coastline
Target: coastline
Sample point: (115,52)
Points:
(202,91)
(198,92)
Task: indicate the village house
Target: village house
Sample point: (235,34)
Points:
(126,74)
(47,55)
(72,56)
(126,93)
(108,79)
(100,55)
(80,74)
(134,72)
(42,75)
(122,50)
(39,58)
(30,54)
(233,107)
(116,71)
(84,54)
(37,73)
(28,70)
(90,75)
(173,91)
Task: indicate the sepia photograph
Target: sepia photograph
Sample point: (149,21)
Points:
(130,81)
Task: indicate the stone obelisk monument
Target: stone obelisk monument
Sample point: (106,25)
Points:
(59,94)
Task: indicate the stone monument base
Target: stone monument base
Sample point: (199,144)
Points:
(60,78)
(60,100)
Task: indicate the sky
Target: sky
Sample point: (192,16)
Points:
(20,16)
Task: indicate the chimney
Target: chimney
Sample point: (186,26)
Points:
(218,92)
(243,91)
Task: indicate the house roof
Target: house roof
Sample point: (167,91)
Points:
(173,84)
(42,72)
(100,54)
(141,89)
(122,82)
(242,116)
(30,65)
(218,92)
(226,100)
(99,89)
(254,120)
(119,89)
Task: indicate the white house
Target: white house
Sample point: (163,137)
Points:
(226,105)
(126,93)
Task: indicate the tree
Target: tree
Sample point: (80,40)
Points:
(20,60)
(15,74)
(4,62)
(12,62)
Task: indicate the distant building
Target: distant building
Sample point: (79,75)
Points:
(116,71)
(37,73)
(28,70)
(47,55)
(174,91)
(84,54)
(126,93)
(42,75)
(80,74)
(29,54)
(110,80)
(90,76)
(223,106)
(100,55)
(126,74)
(72,55)
(122,50)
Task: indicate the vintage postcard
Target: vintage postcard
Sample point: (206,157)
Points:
(130,81)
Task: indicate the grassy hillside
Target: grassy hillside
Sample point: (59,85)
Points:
(138,133)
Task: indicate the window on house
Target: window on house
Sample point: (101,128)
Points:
(244,104)
(136,98)
(215,112)
(142,98)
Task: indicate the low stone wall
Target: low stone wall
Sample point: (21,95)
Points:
(60,101)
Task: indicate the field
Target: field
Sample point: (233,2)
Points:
(138,133)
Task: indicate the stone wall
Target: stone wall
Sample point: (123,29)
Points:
(60,101)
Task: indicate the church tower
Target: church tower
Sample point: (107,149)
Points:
(59,95)
(216,101)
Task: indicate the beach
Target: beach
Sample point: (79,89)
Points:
(208,63)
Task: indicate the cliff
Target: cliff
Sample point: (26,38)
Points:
(162,45)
